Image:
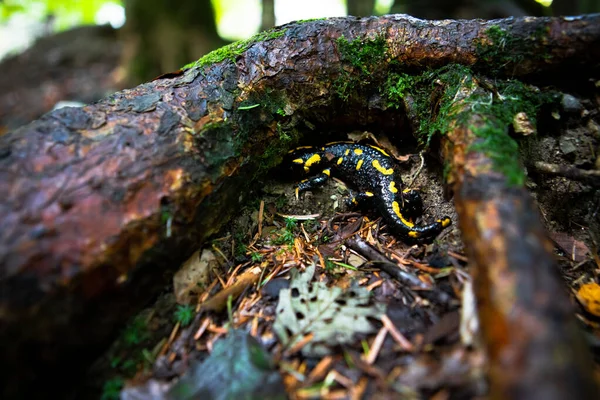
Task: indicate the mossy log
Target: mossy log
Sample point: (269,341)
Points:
(100,203)
(528,325)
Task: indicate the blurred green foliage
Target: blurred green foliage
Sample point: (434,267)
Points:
(66,13)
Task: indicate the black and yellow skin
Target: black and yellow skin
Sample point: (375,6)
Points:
(377,177)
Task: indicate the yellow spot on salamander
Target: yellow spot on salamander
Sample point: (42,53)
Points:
(298,161)
(393,187)
(327,172)
(396,208)
(340,160)
(445,222)
(314,159)
(382,151)
(338,142)
(347,152)
(379,168)
(406,190)
(300,148)
(413,234)
(359,164)
(358,152)
(369,194)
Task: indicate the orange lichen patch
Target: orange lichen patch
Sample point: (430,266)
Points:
(215,115)
(100,133)
(143,202)
(187,139)
(589,296)
(176,177)
(494,279)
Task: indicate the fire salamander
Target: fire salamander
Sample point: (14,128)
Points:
(375,174)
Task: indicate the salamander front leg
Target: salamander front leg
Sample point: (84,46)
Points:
(313,182)
(364,199)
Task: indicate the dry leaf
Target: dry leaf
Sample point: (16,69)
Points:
(575,249)
(193,274)
(330,314)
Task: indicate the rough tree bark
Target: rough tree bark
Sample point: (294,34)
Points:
(100,203)
(524,311)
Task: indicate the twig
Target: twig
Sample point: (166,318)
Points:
(591,177)
(385,264)
(412,180)
(396,334)
(376,346)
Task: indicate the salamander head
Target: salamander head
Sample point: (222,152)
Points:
(304,159)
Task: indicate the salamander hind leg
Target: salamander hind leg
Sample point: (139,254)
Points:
(410,232)
(412,204)
(426,233)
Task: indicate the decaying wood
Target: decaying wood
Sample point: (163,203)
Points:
(244,281)
(528,325)
(99,203)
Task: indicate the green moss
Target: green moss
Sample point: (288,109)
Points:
(302,21)
(231,51)
(502,149)
(112,389)
(184,314)
(498,112)
(312,225)
(240,250)
(219,144)
(136,332)
(501,48)
(365,55)
(256,257)
(290,223)
(329,265)
(285,237)
(272,156)
(430,97)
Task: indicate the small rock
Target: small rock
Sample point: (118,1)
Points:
(566,145)
(594,128)
(274,286)
(570,104)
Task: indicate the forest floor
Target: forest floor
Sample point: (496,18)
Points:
(306,277)
(374,335)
